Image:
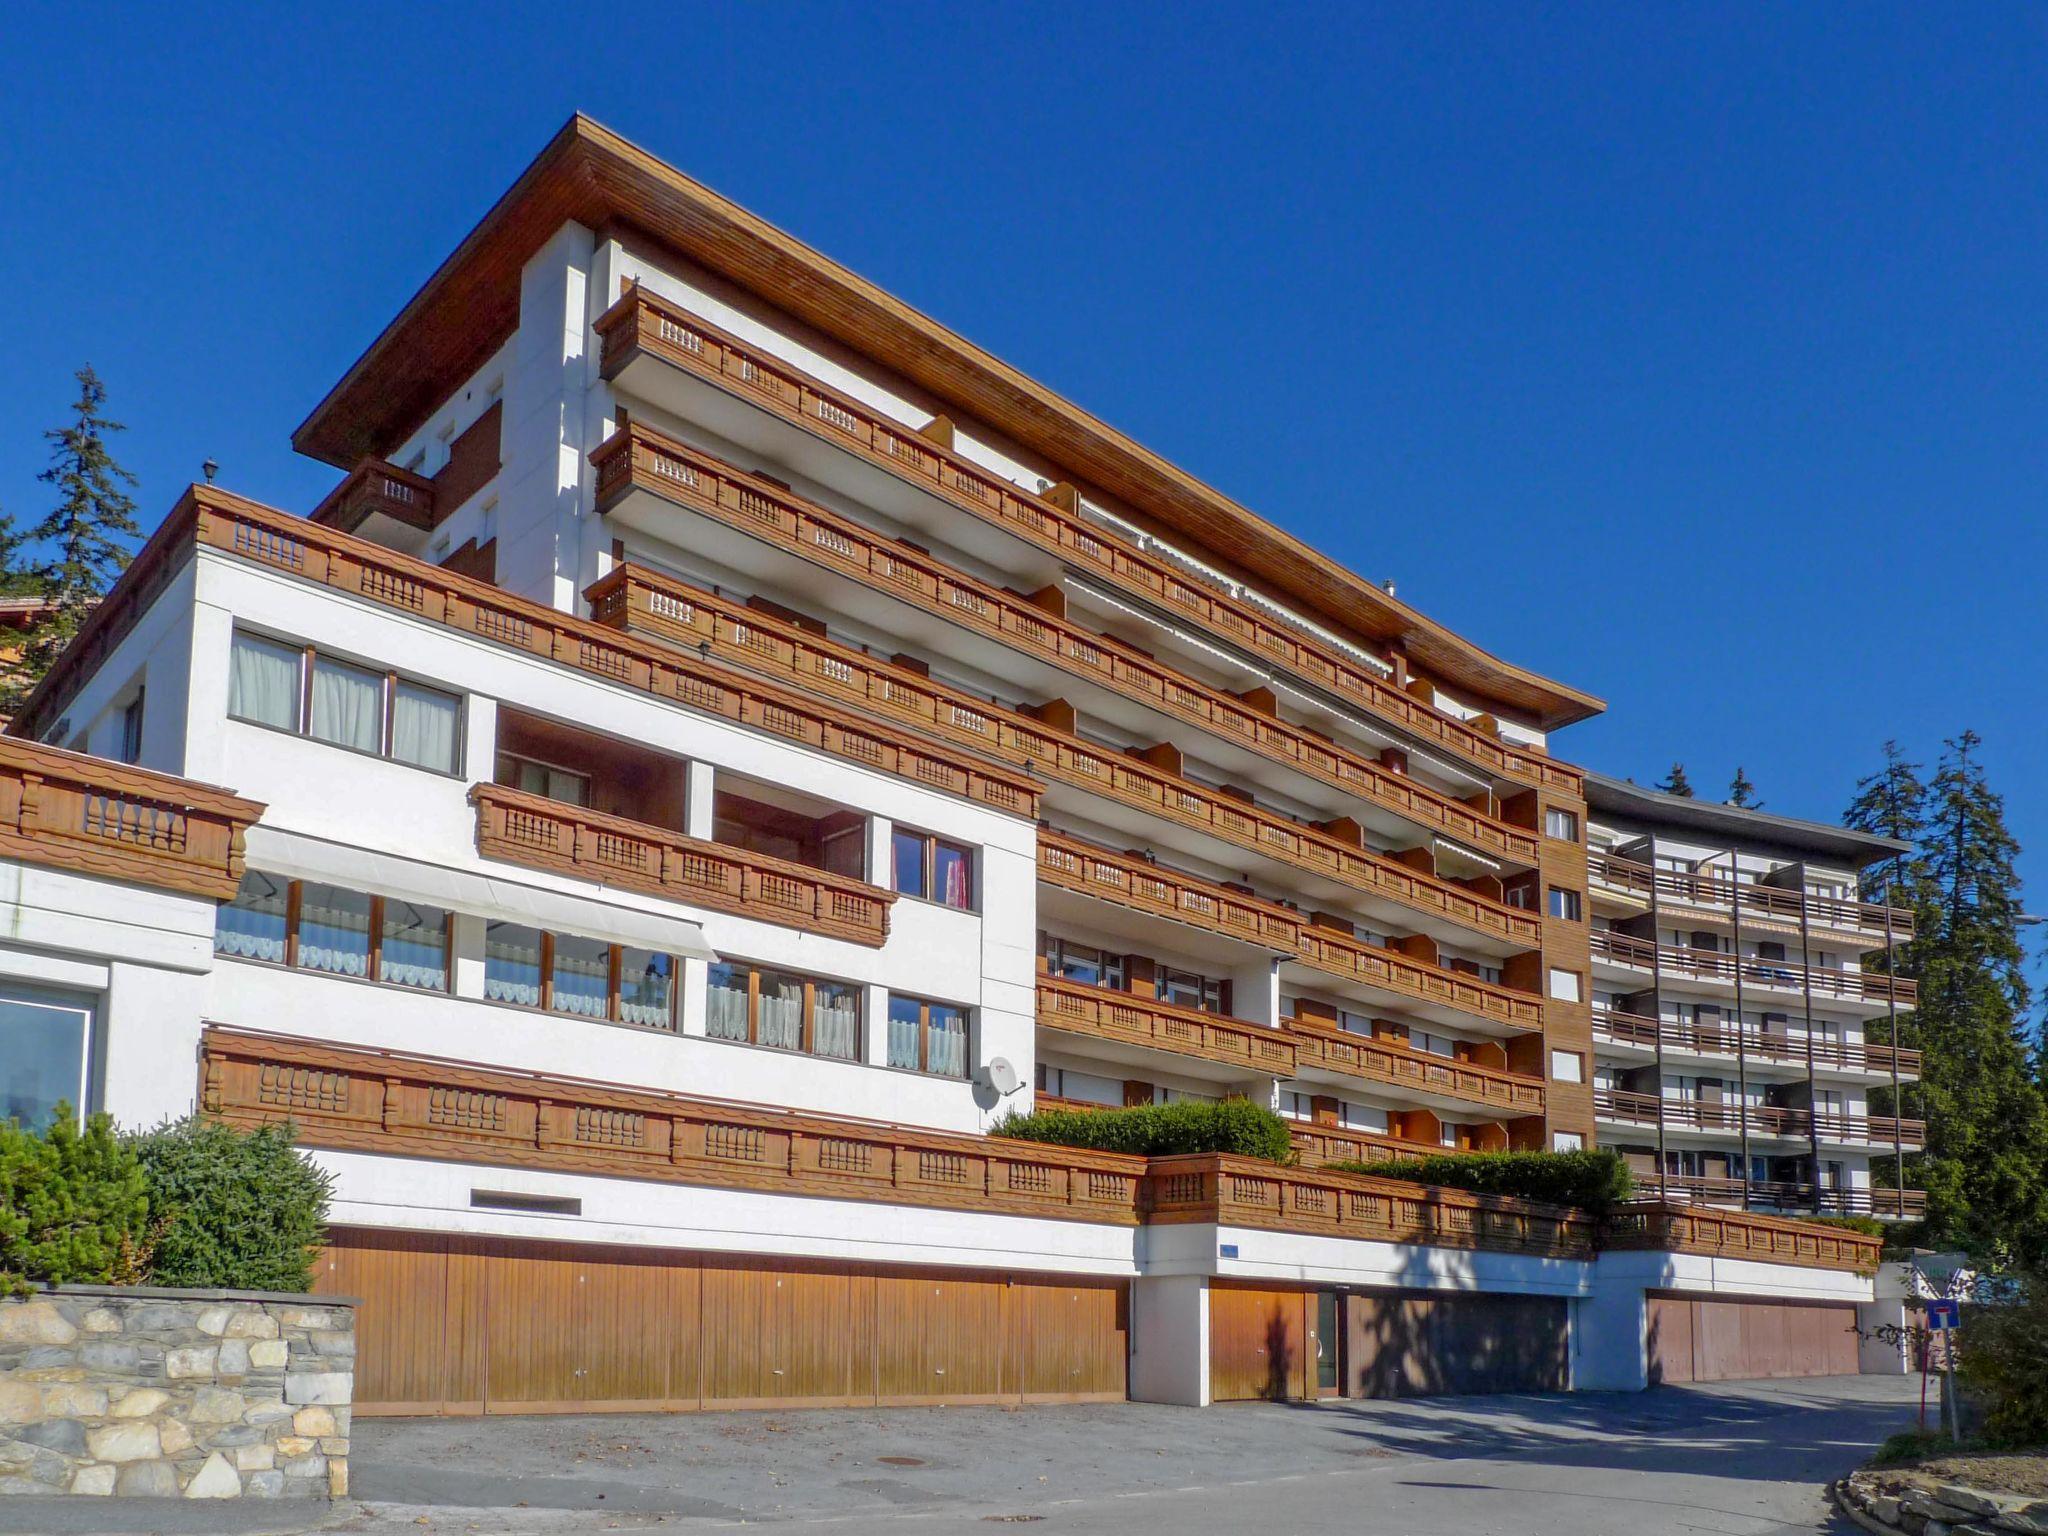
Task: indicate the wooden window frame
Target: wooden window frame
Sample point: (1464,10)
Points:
(392,677)
(294,911)
(929,844)
(925,1005)
(614,1003)
(808,1040)
(1114,968)
(1570,816)
(1571,899)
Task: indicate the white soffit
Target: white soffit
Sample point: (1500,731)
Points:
(275,851)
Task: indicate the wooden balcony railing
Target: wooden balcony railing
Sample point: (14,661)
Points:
(546,834)
(1719,1234)
(95,817)
(1380,1062)
(1765,903)
(1239,1192)
(1128,1019)
(350,1099)
(374,486)
(1725,1115)
(1316,1145)
(1780,1195)
(1726,1040)
(642,323)
(639,459)
(1134,882)
(1776,975)
(701,623)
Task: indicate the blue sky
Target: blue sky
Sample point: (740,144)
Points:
(1693,355)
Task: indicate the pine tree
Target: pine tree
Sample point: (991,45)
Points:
(1676,783)
(86,533)
(17,578)
(1743,793)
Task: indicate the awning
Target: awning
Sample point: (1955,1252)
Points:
(278,852)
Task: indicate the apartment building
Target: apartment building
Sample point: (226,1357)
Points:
(1739,1024)
(725,743)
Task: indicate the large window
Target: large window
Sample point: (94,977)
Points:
(1084,963)
(294,688)
(1564,904)
(563,973)
(783,1010)
(327,928)
(45,1046)
(927,1037)
(932,869)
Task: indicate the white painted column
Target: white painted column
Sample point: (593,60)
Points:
(1610,1336)
(700,791)
(1169,1361)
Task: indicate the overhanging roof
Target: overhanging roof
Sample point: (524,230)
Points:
(1732,821)
(590,175)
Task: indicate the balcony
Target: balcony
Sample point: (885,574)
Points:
(376,489)
(1132,881)
(1317,1145)
(1023,630)
(1126,1018)
(539,833)
(1793,1198)
(94,817)
(1717,1234)
(1725,1118)
(1777,976)
(1762,905)
(1724,1041)
(702,624)
(1361,1058)
(642,332)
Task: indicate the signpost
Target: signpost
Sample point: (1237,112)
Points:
(1944,1317)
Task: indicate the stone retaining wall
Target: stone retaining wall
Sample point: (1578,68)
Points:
(168,1393)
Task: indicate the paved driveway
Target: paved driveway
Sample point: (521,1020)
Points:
(1744,1460)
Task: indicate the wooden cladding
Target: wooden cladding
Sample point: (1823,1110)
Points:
(540,833)
(376,1101)
(1783,1194)
(1725,1040)
(697,622)
(1760,903)
(1763,1119)
(1134,882)
(642,323)
(1722,1234)
(1240,1192)
(1132,1019)
(1316,1144)
(638,458)
(1375,1061)
(1757,970)
(97,817)
(374,487)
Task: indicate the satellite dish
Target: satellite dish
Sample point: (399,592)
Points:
(1003,1077)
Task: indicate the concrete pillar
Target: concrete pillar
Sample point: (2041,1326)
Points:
(1170,1340)
(700,788)
(1610,1336)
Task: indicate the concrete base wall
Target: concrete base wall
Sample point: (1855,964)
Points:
(1170,1340)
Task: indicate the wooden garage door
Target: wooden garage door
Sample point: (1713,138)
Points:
(1412,1345)
(1259,1344)
(1693,1339)
(463,1325)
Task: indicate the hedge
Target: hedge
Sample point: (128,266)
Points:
(73,1205)
(2002,1357)
(1595,1181)
(1158,1130)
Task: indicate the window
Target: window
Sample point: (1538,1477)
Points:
(784,1011)
(543,779)
(1564,904)
(1567,1067)
(131,730)
(45,1039)
(1567,1141)
(327,928)
(1083,963)
(932,869)
(927,1037)
(1564,985)
(293,688)
(1189,990)
(586,978)
(1561,824)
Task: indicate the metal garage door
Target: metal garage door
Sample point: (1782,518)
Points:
(1692,1339)
(463,1325)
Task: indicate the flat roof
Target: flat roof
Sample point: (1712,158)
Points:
(592,176)
(1733,821)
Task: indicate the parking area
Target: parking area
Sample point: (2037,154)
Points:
(1744,1459)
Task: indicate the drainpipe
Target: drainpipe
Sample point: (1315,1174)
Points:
(1812,1082)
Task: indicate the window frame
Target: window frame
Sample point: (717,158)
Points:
(808,1043)
(614,1002)
(1571,901)
(924,1068)
(389,680)
(928,858)
(294,905)
(1113,967)
(1571,819)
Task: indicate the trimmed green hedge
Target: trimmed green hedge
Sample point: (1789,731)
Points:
(241,1211)
(1595,1181)
(1158,1130)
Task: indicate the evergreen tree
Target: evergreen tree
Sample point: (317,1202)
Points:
(86,533)
(17,578)
(1676,783)
(1743,793)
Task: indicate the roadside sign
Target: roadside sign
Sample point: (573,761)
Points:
(1943,1313)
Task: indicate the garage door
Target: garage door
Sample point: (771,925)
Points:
(1691,1339)
(463,1325)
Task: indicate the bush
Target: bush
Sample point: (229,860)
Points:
(1869,1226)
(1158,1130)
(2002,1356)
(239,1210)
(1595,1181)
(73,1205)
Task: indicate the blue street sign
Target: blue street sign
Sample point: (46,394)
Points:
(1943,1313)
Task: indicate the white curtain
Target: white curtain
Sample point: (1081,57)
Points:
(835,1028)
(512,964)
(423,727)
(725,1015)
(348,705)
(946,1043)
(334,930)
(782,1012)
(646,986)
(415,948)
(903,1027)
(582,976)
(263,682)
(252,925)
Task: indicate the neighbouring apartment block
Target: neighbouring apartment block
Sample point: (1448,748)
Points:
(727,742)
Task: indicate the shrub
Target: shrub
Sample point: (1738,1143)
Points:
(1157,1130)
(1596,1181)
(239,1210)
(2003,1358)
(1869,1226)
(73,1205)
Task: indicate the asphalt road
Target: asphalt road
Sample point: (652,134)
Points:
(1746,1460)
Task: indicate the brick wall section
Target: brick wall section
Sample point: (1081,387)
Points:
(175,1393)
